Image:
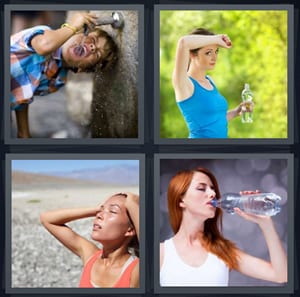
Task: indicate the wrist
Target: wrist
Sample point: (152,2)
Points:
(266,224)
(218,39)
(72,28)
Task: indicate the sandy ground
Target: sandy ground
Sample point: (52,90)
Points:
(38,260)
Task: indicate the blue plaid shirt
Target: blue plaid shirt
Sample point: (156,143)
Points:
(31,73)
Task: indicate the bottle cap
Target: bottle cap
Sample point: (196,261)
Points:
(214,202)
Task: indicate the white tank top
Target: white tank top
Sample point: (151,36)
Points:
(174,272)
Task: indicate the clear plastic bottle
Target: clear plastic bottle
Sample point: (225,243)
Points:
(247,96)
(267,204)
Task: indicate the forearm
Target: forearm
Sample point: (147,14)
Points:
(277,253)
(51,40)
(63,216)
(231,114)
(190,42)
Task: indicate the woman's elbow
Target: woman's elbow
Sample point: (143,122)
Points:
(43,218)
(281,278)
(181,44)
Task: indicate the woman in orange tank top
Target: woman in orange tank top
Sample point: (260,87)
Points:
(116,227)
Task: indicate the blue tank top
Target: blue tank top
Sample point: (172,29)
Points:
(205,112)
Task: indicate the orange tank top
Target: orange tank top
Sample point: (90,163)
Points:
(122,282)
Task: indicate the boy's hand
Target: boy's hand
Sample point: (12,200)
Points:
(78,19)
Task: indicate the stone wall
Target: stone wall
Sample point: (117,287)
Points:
(109,106)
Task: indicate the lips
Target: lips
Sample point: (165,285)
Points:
(81,50)
(209,203)
(96,227)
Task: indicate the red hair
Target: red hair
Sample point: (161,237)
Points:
(213,239)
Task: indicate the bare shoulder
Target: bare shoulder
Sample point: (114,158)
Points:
(161,247)
(135,276)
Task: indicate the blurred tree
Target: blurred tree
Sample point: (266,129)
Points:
(258,57)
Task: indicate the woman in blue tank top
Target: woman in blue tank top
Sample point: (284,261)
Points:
(204,109)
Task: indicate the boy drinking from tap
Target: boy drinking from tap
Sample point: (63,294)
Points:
(41,57)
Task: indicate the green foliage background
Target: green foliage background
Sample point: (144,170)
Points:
(258,57)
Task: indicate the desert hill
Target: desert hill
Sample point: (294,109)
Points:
(24,179)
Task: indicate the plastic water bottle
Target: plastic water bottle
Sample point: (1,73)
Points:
(267,204)
(247,96)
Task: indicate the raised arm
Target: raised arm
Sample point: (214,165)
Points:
(55,222)
(133,208)
(51,40)
(182,85)
(276,269)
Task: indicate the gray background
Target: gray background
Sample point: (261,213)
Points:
(234,175)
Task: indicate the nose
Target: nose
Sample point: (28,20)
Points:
(92,47)
(211,193)
(214,56)
(99,215)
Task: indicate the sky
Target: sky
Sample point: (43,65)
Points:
(39,166)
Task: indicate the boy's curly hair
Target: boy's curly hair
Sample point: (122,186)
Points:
(109,55)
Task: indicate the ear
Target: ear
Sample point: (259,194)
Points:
(182,203)
(130,232)
(193,55)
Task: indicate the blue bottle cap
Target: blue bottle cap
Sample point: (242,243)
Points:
(214,202)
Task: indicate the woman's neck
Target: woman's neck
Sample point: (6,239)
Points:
(190,230)
(113,255)
(197,73)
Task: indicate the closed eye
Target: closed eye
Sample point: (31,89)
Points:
(114,209)
(201,189)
